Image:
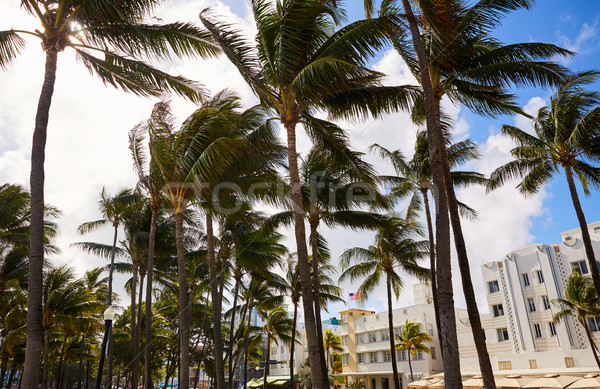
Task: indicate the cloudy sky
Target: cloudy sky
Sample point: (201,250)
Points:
(87,133)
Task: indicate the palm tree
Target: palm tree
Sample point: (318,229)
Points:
(112,209)
(458,58)
(567,136)
(581,302)
(412,340)
(107,38)
(298,65)
(394,250)
(331,342)
(278,327)
(150,181)
(414,180)
(216,144)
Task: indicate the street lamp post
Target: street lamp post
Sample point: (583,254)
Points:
(109,315)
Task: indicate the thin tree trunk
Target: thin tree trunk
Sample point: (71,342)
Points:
(11,375)
(46,354)
(293,344)
(184,316)
(250,304)
(391,328)
(80,379)
(148,317)
(452,375)
(267,362)
(412,378)
(585,233)
(3,369)
(33,347)
(316,367)
(432,263)
(134,340)
(590,337)
(232,332)
(60,363)
(316,292)
(138,328)
(216,304)
(167,374)
(109,353)
(87,374)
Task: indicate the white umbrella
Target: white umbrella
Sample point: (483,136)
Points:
(552,381)
(424,382)
(475,382)
(513,381)
(589,381)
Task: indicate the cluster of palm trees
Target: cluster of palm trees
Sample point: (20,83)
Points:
(305,63)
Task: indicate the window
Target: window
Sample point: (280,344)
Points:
(552,329)
(419,354)
(569,362)
(401,355)
(432,353)
(525,277)
(594,323)
(274,351)
(533,364)
(372,337)
(343,318)
(387,356)
(373,357)
(385,335)
(345,359)
(540,276)
(502,334)
(360,339)
(493,286)
(537,330)
(504,365)
(498,310)
(282,350)
(360,358)
(581,266)
(531,304)
(546,302)
(345,340)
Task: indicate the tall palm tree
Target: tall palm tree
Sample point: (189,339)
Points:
(412,340)
(217,143)
(414,180)
(581,302)
(300,64)
(451,52)
(395,250)
(107,37)
(332,343)
(567,136)
(278,327)
(150,181)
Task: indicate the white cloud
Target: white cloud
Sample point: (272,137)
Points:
(532,107)
(586,40)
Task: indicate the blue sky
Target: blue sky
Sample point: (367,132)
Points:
(92,132)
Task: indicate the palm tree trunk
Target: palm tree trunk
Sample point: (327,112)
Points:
(33,347)
(314,224)
(184,316)
(590,337)
(109,339)
(391,328)
(46,354)
(432,264)
(316,367)
(585,233)
(412,378)
(293,344)
(148,313)
(80,378)
(11,375)
(134,340)
(435,137)
(87,374)
(267,362)
(3,369)
(216,304)
(138,328)
(485,366)
(232,331)
(250,304)
(61,359)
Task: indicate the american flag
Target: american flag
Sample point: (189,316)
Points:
(354,296)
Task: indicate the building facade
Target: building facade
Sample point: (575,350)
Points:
(520,288)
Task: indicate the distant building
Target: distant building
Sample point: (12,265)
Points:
(520,288)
